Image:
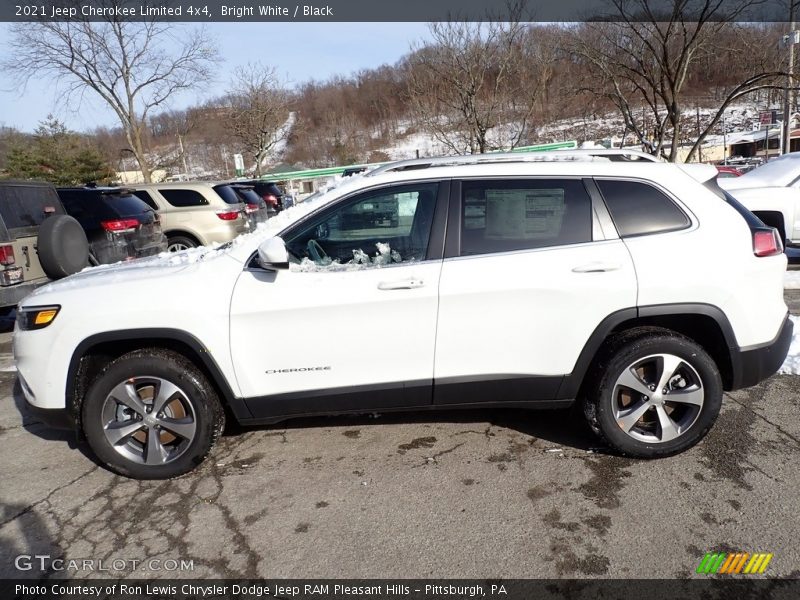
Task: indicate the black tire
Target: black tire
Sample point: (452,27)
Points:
(604,394)
(207,415)
(184,240)
(62,246)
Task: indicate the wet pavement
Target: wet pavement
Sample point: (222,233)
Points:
(489,494)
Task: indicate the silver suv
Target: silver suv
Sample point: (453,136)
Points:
(196,213)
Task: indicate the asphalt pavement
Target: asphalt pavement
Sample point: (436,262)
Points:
(486,494)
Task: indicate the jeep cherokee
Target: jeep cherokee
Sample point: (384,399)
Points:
(526,282)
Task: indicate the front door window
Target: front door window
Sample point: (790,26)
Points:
(379,228)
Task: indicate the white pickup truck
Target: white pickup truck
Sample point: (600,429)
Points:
(772,192)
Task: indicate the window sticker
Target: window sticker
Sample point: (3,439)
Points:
(524,214)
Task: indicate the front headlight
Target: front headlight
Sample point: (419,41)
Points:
(36,317)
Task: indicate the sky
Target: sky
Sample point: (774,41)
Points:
(299,52)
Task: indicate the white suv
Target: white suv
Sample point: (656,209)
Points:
(637,289)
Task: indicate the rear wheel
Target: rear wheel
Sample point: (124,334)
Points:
(176,243)
(654,393)
(151,414)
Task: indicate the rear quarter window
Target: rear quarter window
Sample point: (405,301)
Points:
(183,198)
(638,208)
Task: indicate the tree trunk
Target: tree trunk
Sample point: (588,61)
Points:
(137,147)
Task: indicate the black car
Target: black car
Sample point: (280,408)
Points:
(256,208)
(271,193)
(118,225)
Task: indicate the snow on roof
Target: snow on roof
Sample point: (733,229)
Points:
(748,137)
(781,171)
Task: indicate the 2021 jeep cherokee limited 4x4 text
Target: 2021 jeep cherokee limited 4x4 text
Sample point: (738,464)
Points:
(637,289)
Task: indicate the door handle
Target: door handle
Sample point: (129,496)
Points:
(596,267)
(401,284)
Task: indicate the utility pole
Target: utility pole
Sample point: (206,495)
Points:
(724,141)
(791,39)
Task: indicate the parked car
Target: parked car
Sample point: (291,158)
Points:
(725,171)
(772,193)
(38,241)
(271,193)
(118,225)
(255,207)
(560,287)
(195,213)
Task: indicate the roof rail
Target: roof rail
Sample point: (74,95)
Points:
(614,155)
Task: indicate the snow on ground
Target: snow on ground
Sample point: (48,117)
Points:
(791,280)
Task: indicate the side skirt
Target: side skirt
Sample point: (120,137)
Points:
(499,391)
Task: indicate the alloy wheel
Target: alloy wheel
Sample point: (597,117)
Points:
(149,420)
(657,398)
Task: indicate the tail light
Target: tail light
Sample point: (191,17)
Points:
(767,242)
(230,215)
(7,257)
(271,199)
(119,225)
(251,208)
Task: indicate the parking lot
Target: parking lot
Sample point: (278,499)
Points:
(499,493)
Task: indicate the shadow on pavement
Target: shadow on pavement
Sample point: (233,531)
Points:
(35,427)
(32,539)
(560,427)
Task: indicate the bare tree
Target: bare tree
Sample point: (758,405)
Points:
(260,116)
(472,78)
(134,67)
(644,64)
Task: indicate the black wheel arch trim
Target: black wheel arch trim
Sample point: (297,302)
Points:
(571,385)
(236,404)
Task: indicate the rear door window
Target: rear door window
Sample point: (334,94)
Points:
(183,198)
(503,215)
(638,208)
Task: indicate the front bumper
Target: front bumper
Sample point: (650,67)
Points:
(757,364)
(57,418)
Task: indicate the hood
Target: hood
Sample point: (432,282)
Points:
(165,265)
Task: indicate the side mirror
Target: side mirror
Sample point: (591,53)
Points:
(272,254)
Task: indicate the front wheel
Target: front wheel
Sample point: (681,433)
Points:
(151,414)
(655,393)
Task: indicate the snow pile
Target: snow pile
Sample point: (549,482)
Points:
(361,260)
(792,363)
(791,280)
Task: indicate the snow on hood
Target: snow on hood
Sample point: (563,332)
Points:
(778,172)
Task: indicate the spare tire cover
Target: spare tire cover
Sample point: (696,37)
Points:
(62,246)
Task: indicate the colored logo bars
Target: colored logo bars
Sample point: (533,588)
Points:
(736,563)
